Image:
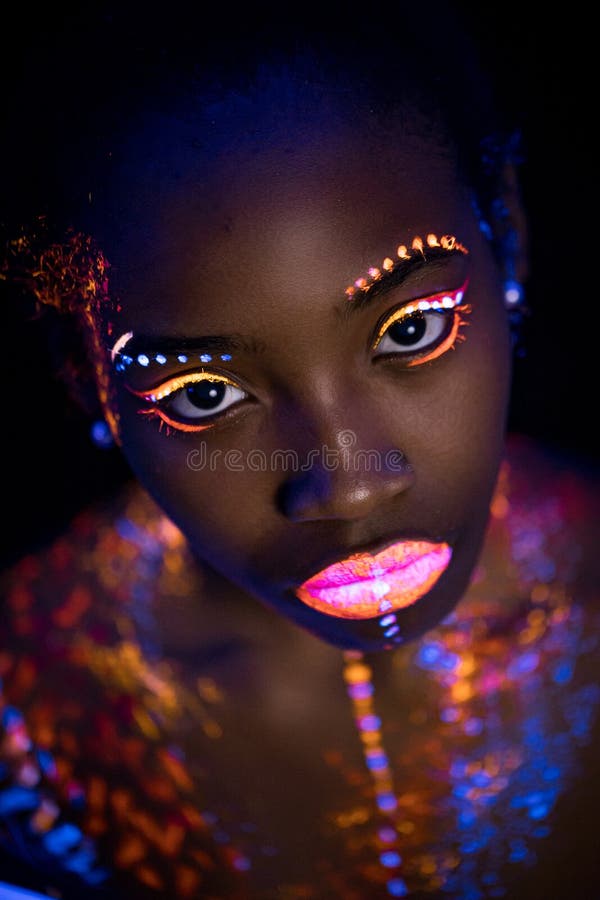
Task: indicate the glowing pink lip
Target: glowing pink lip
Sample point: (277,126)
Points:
(366,585)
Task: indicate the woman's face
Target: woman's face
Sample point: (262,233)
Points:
(309,425)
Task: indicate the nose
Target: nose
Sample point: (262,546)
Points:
(349,477)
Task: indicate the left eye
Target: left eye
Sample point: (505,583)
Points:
(414,332)
(201,399)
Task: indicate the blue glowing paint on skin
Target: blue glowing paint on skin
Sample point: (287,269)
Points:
(397,887)
(61,839)
(143,360)
(386,802)
(360,691)
(226,357)
(369,723)
(375,763)
(11,718)
(486,229)
(563,672)
(160,359)
(242,864)
(17,799)
(513,292)
(390,859)
(100,432)
(46,762)
(387,835)
(391,629)
(205,357)
(182,358)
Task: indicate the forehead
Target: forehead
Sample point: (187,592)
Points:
(266,193)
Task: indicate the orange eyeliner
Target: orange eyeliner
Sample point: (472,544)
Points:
(180,381)
(447,343)
(445,301)
(167,388)
(171,423)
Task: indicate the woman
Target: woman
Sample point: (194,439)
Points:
(297,299)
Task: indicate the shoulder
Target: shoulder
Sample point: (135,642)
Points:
(554,497)
(91,570)
(539,468)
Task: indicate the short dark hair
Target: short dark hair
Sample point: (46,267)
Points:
(81,80)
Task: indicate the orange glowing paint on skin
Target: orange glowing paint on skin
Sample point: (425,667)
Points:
(449,342)
(445,301)
(176,384)
(171,423)
(164,390)
(365,585)
(70,275)
(404,253)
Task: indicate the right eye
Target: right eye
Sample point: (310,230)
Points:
(202,399)
(192,402)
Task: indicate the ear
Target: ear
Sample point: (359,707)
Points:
(509,226)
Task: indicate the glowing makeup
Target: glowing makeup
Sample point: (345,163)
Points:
(427,326)
(417,332)
(188,402)
(70,275)
(120,344)
(360,689)
(366,585)
(418,247)
(123,360)
(181,381)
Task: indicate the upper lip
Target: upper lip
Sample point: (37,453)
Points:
(373,547)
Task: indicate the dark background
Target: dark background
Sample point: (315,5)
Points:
(544,67)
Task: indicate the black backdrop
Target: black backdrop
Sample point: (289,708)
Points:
(545,67)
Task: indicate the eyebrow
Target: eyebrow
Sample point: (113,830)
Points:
(434,258)
(211,343)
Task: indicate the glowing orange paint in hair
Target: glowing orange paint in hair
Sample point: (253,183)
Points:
(70,275)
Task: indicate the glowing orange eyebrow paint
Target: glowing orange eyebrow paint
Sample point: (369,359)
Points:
(418,248)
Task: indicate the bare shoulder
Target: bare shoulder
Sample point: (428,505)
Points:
(112,553)
(560,492)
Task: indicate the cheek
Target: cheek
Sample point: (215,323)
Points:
(462,435)
(212,498)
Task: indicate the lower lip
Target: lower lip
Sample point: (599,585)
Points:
(364,586)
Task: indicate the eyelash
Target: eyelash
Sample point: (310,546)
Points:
(448,302)
(170,388)
(444,303)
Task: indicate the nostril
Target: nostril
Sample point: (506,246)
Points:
(323,493)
